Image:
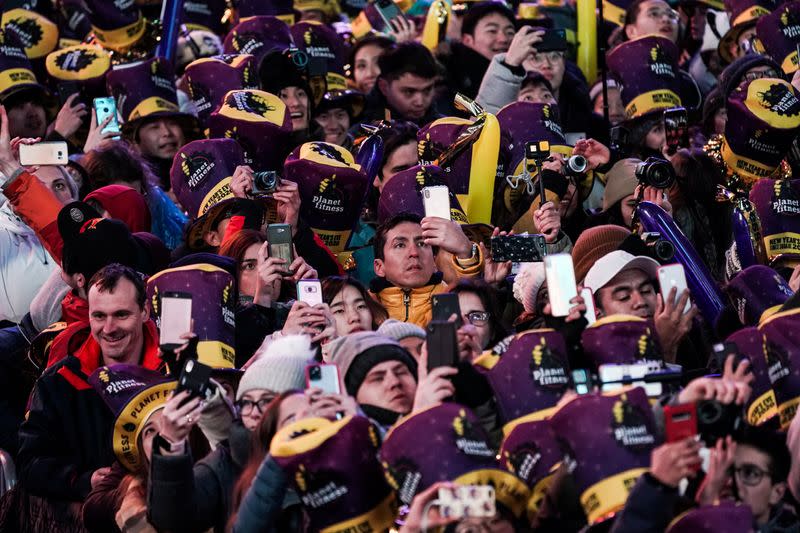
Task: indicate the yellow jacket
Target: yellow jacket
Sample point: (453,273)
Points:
(415,305)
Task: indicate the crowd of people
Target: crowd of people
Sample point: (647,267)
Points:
(308,266)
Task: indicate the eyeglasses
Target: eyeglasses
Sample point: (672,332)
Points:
(551,57)
(758,74)
(478,318)
(749,474)
(658,14)
(245,407)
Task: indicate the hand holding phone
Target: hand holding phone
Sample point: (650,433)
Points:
(676,124)
(104,108)
(670,276)
(436,201)
(309,291)
(280,244)
(445,305)
(524,248)
(175,319)
(195,378)
(44,153)
(324,377)
(442,344)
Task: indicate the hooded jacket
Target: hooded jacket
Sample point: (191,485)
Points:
(415,305)
(66,435)
(125,204)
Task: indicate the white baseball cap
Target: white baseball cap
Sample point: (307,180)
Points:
(611,264)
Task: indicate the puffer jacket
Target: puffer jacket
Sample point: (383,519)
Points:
(415,305)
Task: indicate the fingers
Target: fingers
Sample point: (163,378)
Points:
(442,372)
(4,136)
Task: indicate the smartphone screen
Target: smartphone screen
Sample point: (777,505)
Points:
(280,243)
(436,200)
(561,287)
(582,381)
(105,107)
(309,291)
(176,318)
(676,122)
(44,153)
(673,276)
(323,376)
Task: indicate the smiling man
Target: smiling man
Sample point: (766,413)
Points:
(64,441)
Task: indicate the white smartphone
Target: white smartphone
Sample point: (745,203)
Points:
(574,136)
(309,291)
(561,287)
(45,153)
(588,300)
(673,276)
(176,318)
(467,501)
(323,376)
(436,200)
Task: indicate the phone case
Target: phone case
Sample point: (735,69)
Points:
(518,248)
(309,291)
(195,379)
(673,276)
(561,288)
(280,242)
(44,153)
(323,376)
(442,344)
(444,305)
(104,107)
(436,201)
(588,300)
(467,501)
(680,421)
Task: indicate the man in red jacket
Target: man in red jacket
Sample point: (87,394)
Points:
(65,444)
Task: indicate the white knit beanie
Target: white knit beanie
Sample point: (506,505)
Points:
(527,283)
(397,330)
(281,367)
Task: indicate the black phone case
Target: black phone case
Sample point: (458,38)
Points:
(196,380)
(444,305)
(518,248)
(552,40)
(442,344)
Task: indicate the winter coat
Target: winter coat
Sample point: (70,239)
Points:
(67,433)
(500,85)
(38,207)
(25,264)
(182,497)
(414,305)
(465,69)
(649,508)
(269,505)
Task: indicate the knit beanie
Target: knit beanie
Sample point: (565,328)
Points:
(713,103)
(621,181)
(397,330)
(281,366)
(595,243)
(734,73)
(358,353)
(527,283)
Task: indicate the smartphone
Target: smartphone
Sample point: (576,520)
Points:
(676,128)
(309,291)
(582,381)
(67,89)
(723,350)
(105,107)
(552,40)
(44,153)
(442,344)
(574,136)
(175,319)
(673,276)
(588,300)
(388,10)
(195,378)
(561,288)
(323,376)
(519,248)
(436,200)
(467,501)
(445,305)
(614,377)
(680,421)
(280,243)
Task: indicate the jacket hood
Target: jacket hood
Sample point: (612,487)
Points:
(125,204)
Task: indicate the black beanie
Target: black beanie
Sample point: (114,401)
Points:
(368,359)
(734,73)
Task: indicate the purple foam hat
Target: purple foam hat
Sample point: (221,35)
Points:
(761,405)
(779,34)
(200,177)
(326,53)
(742,14)
(609,437)
(528,373)
(117,25)
(403,193)
(211,78)
(622,340)
(758,291)
(16,73)
(332,188)
(204,15)
(333,467)
(727,516)
(777,203)
(133,393)
(214,302)
(37,33)
(413,451)
(532,452)
(526,121)
(434,138)
(648,68)
(258,36)
(763,117)
(255,119)
(781,334)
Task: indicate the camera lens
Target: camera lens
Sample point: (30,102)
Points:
(576,165)
(655,172)
(664,250)
(314,372)
(709,412)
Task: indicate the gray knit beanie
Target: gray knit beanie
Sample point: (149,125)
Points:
(280,368)
(397,330)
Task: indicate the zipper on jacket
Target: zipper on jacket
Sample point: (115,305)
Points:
(406,301)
